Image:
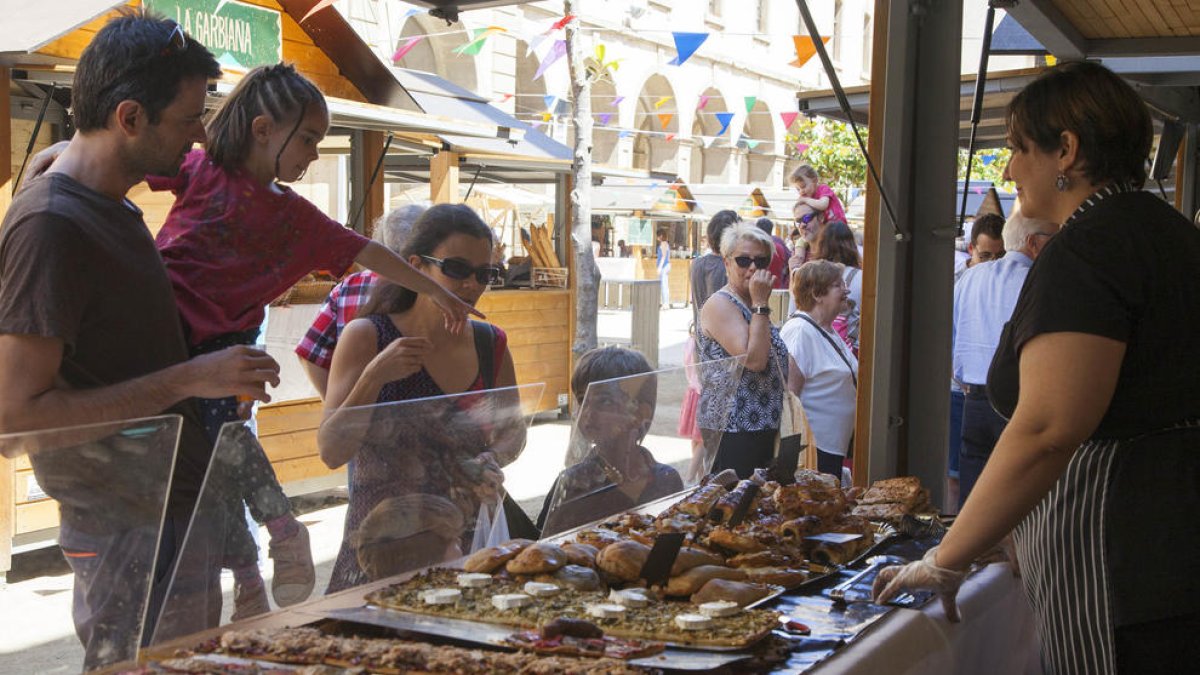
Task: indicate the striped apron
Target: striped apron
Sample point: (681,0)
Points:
(1062,551)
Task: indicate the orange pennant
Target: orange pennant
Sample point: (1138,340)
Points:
(805,49)
(665,119)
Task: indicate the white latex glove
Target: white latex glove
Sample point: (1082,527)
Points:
(923,574)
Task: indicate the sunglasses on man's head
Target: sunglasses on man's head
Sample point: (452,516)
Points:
(761,262)
(456,268)
(175,42)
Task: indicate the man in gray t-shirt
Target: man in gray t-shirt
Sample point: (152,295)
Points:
(89,331)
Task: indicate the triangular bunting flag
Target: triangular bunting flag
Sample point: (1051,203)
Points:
(750,101)
(546,116)
(549,100)
(724,118)
(617,101)
(624,133)
(316,8)
(686,44)
(788,118)
(708,140)
(661,102)
(556,52)
(405,47)
(801,148)
(604,119)
(665,119)
(411,12)
(536,42)
(561,23)
(504,98)
(703,102)
(987,159)
(670,137)
(478,37)
(752,144)
(805,49)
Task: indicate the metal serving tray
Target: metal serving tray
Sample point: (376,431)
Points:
(493,635)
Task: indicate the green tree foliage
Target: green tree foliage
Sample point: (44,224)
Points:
(830,148)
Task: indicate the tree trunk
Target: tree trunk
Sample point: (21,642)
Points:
(587,275)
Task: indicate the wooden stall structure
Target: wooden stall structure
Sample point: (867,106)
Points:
(39,47)
(637,211)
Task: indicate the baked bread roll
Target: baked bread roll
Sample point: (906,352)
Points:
(700,502)
(690,557)
(802,527)
(623,560)
(580,554)
(488,560)
(741,592)
(762,559)
(735,540)
(694,579)
(722,511)
(904,490)
(575,577)
(598,537)
(538,558)
(780,576)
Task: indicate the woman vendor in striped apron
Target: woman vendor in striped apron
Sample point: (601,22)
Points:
(1097,475)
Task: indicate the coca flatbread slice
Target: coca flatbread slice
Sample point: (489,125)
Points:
(566,645)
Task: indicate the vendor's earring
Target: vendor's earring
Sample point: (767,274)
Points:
(1062,182)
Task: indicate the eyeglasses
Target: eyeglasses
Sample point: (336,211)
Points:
(761,262)
(175,42)
(456,268)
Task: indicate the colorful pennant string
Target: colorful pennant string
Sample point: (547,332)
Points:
(686,44)
(617,101)
(703,102)
(406,47)
(788,118)
(724,118)
(316,8)
(605,118)
(478,36)
(556,52)
(805,49)
(665,119)
(801,148)
(661,102)
(750,101)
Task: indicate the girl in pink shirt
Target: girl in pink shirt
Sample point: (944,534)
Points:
(816,205)
(237,238)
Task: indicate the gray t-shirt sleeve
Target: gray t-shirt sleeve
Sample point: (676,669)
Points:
(44,285)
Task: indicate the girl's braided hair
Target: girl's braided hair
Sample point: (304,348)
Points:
(277,91)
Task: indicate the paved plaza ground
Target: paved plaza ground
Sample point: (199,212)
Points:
(36,633)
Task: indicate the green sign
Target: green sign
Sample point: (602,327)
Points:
(240,35)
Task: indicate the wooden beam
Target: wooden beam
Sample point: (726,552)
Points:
(373,209)
(443,178)
(1048,26)
(866,347)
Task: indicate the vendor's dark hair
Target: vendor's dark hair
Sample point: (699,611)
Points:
(716,227)
(436,225)
(610,363)
(134,58)
(278,91)
(1108,116)
(766,225)
(836,243)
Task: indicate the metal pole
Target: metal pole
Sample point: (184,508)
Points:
(977,108)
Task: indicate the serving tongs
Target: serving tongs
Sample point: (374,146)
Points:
(874,564)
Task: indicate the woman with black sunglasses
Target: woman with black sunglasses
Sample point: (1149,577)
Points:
(400,349)
(735,321)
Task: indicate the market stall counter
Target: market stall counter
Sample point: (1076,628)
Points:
(646,560)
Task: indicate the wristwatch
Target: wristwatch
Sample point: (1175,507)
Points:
(765,310)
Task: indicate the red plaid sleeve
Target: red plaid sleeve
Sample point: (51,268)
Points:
(339,309)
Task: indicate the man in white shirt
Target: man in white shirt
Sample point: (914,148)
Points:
(983,302)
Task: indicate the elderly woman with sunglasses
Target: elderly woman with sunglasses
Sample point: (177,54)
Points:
(400,349)
(735,321)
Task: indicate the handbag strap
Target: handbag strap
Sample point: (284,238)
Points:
(840,353)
